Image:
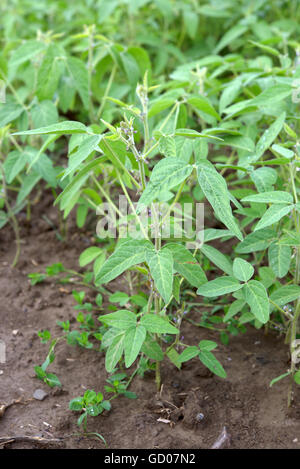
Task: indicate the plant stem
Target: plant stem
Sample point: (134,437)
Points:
(120,163)
(292,350)
(106,196)
(107,90)
(11,215)
(295,320)
(131,205)
(157,305)
(174,202)
(151,149)
(169,116)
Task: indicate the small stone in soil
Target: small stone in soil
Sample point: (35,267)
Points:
(199,417)
(40,394)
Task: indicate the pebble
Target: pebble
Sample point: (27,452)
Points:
(40,394)
(199,417)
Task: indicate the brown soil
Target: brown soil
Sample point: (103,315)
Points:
(255,415)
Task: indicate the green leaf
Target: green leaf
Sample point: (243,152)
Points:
(190,20)
(40,164)
(264,178)
(229,94)
(134,339)
(109,336)
(217,258)
(79,76)
(167,146)
(184,148)
(157,324)
(119,297)
(285,294)
(9,112)
(160,105)
(191,133)
(257,298)
(44,113)
(278,378)
(242,270)
(272,95)
(122,319)
(214,10)
(234,308)
(219,286)
(114,352)
(297,377)
(207,345)
(25,52)
(166,174)
(268,49)
(29,182)
(142,59)
(214,233)
(86,147)
(210,361)
(257,241)
(161,268)
(131,68)
(215,189)
(81,214)
(267,276)
(106,405)
(3,219)
(152,349)
(186,264)
(62,128)
(129,253)
(88,255)
(285,152)
(290,238)
(232,34)
(82,418)
(290,131)
(174,357)
(273,215)
(240,141)
(279,259)
(13,164)
(73,188)
(52,380)
(273,197)
(202,104)
(76,404)
(176,287)
(48,74)
(240,107)
(271,133)
(189,353)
